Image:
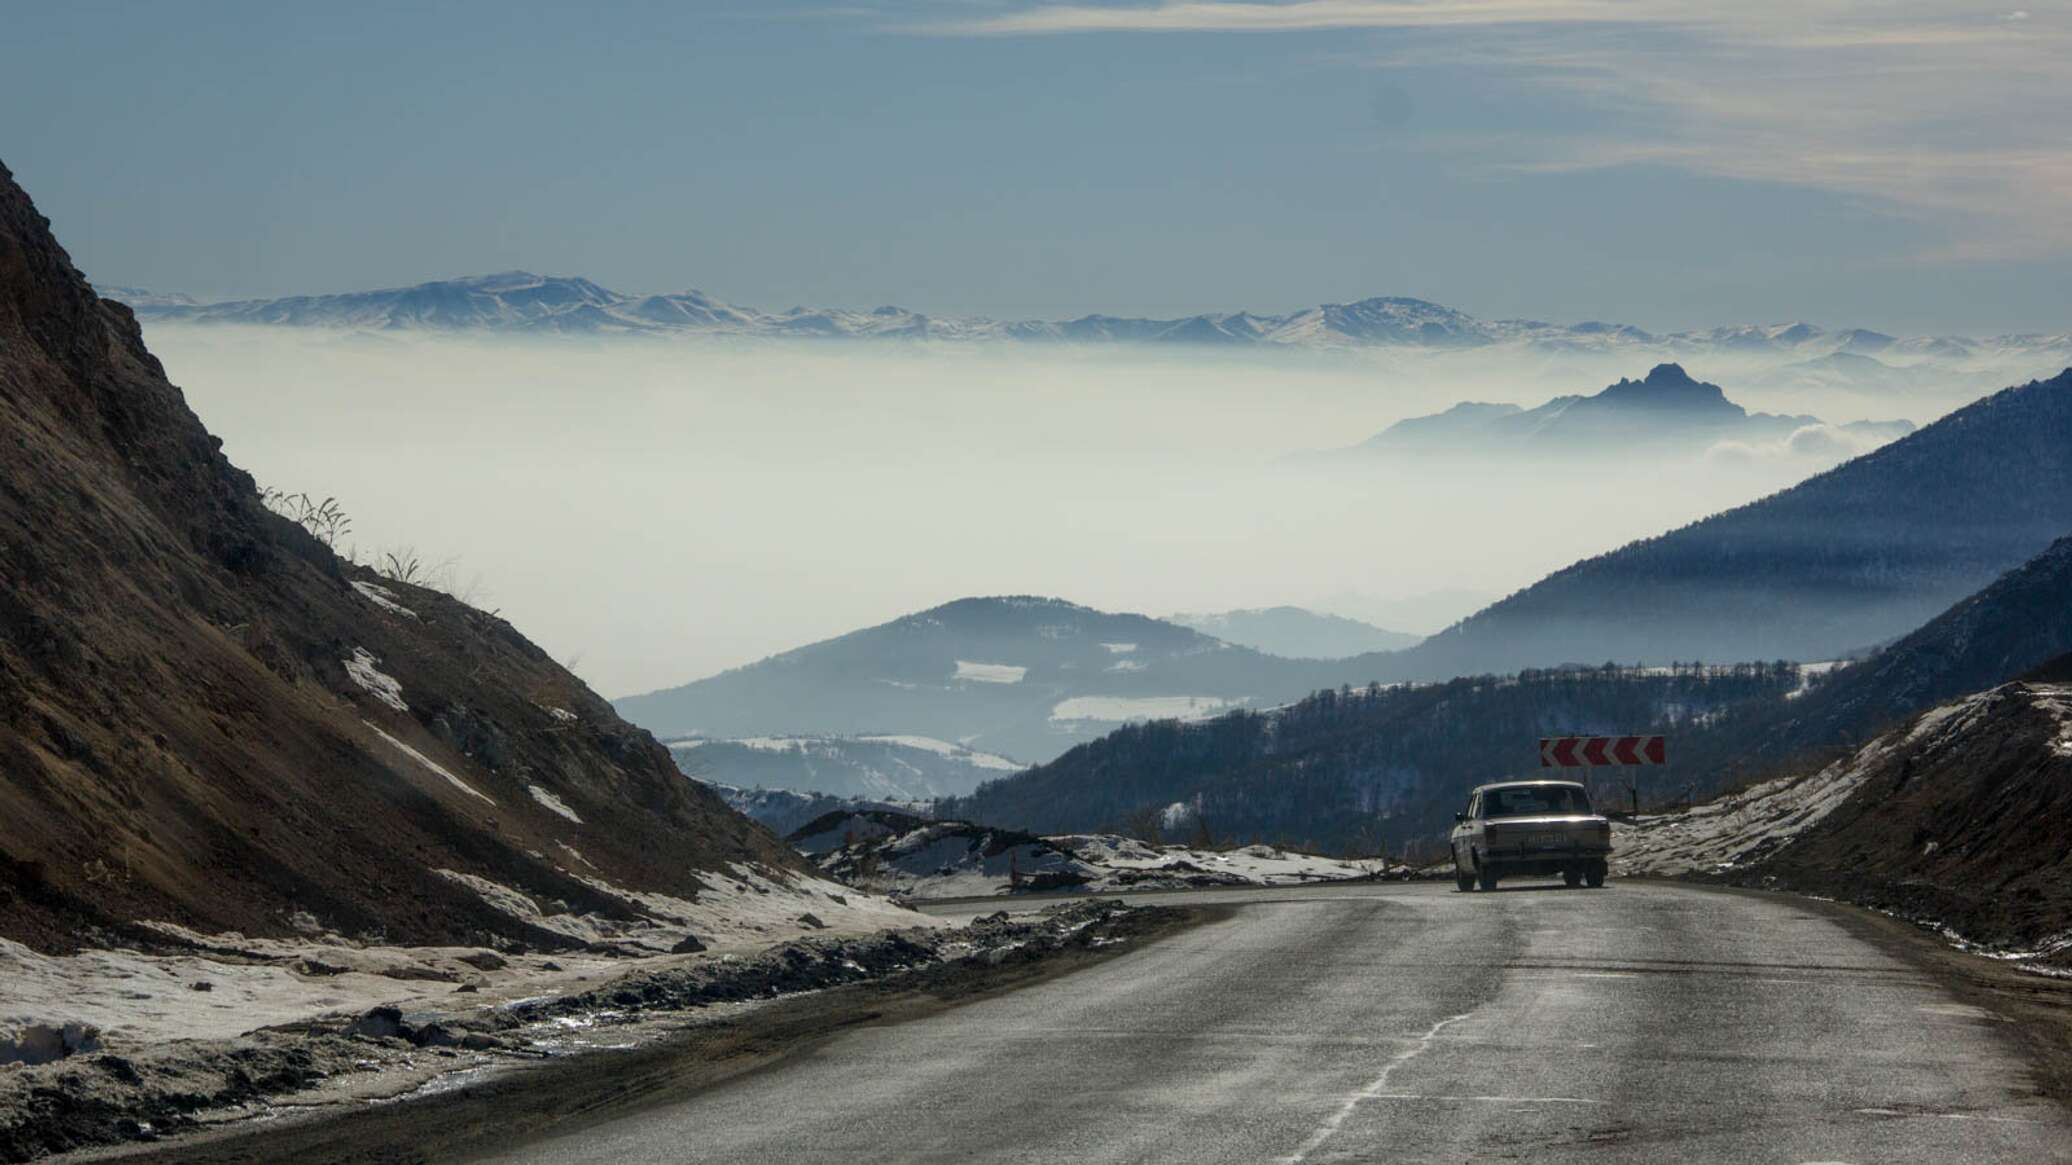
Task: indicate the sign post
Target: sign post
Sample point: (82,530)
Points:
(1592,752)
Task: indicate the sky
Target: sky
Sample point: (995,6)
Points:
(1903,164)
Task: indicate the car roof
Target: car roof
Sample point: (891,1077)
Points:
(1524,784)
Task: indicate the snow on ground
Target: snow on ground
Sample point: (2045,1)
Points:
(554,804)
(1118,648)
(1810,673)
(989,673)
(137,999)
(1739,828)
(743,906)
(982,760)
(377,683)
(1120,709)
(431,764)
(382,597)
(909,856)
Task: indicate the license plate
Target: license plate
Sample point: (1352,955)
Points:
(1546,840)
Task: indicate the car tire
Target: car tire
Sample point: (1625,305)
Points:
(1486,878)
(1595,875)
(1572,878)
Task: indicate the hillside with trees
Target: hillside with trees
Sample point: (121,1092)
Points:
(1353,766)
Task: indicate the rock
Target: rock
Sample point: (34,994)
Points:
(689,945)
(550,965)
(201,985)
(838,899)
(812,922)
(379,1023)
(485,961)
(468,988)
(479,1042)
(312,967)
(432,1035)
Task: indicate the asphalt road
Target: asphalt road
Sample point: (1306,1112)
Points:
(1643,1022)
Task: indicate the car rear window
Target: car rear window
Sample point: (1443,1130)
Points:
(1535,801)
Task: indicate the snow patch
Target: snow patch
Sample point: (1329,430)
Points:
(989,673)
(553,804)
(981,760)
(1121,709)
(382,597)
(1119,648)
(373,680)
(431,764)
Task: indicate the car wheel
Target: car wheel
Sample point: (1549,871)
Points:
(1572,878)
(1486,878)
(1463,882)
(1595,875)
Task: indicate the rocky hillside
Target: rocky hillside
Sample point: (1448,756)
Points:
(1956,819)
(1844,561)
(1020,676)
(209,720)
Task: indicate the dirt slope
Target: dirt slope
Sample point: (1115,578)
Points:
(204,720)
(1958,818)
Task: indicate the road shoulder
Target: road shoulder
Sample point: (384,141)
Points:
(563,1095)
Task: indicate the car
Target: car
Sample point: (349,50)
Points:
(1522,828)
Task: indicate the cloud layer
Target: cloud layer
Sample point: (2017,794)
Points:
(1950,114)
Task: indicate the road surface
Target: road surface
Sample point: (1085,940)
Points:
(1643,1022)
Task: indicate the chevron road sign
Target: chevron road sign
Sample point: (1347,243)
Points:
(1575,752)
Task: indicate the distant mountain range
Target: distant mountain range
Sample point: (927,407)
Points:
(1844,561)
(1020,676)
(890,768)
(1402,758)
(519,301)
(1295,633)
(1667,411)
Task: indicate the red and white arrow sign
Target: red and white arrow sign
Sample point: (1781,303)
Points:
(1576,752)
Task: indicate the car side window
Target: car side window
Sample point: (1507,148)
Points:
(1474,807)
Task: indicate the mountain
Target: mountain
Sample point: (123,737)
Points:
(1293,633)
(897,768)
(1333,768)
(1020,676)
(524,302)
(1666,411)
(1841,562)
(209,721)
(2012,628)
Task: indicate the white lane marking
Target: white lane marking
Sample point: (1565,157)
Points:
(1487,1099)
(1373,1091)
(1946,1116)
(1606,975)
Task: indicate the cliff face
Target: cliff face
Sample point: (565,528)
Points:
(207,718)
